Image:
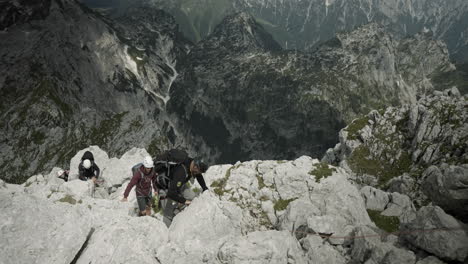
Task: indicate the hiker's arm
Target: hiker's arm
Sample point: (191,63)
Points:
(201,181)
(174,185)
(96,170)
(133,181)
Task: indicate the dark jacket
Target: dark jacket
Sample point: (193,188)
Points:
(85,174)
(143,182)
(180,176)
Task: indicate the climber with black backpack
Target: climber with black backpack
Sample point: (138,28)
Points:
(87,168)
(175,168)
(144,176)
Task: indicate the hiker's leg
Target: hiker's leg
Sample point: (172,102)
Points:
(168,211)
(148,205)
(141,200)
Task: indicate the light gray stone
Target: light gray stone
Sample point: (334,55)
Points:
(48,232)
(262,247)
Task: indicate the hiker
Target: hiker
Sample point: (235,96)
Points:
(179,195)
(143,177)
(63,174)
(87,168)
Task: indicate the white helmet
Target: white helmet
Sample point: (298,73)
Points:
(60,173)
(87,163)
(148,162)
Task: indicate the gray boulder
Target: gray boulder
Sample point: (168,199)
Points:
(262,248)
(447,187)
(369,248)
(447,242)
(131,240)
(48,232)
(100,158)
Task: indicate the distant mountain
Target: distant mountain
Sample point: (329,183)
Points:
(249,99)
(303,24)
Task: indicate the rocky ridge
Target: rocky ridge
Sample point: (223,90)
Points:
(300,211)
(304,24)
(419,150)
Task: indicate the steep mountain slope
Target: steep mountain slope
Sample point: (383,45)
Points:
(71,78)
(239,86)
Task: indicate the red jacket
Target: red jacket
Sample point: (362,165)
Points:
(143,182)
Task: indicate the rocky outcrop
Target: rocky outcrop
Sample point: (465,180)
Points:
(450,243)
(393,148)
(299,211)
(447,187)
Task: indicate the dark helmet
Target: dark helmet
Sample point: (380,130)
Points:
(203,167)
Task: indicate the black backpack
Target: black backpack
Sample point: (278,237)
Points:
(165,163)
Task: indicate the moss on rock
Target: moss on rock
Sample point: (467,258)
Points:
(322,170)
(386,223)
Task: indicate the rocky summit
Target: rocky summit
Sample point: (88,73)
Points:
(276,211)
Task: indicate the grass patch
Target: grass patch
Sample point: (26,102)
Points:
(355,126)
(362,162)
(281,204)
(387,223)
(219,185)
(155,204)
(322,170)
(68,199)
(261,182)
(196,190)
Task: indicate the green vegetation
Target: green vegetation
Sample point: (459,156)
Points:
(386,223)
(158,145)
(196,190)
(38,137)
(362,162)
(219,185)
(101,135)
(281,204)
(322,170)
(261,182)
(155,204)
(355,126)
(68,199)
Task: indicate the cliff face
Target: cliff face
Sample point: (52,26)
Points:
(71,78)
(239,86)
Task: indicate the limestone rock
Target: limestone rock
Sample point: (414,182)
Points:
(446,244)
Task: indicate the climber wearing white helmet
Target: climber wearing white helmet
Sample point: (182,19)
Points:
(143,177)
(63,174)
(87,168)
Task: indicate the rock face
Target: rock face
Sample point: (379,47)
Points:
(270,103)
(299,211)
(393,148)
(72,78)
